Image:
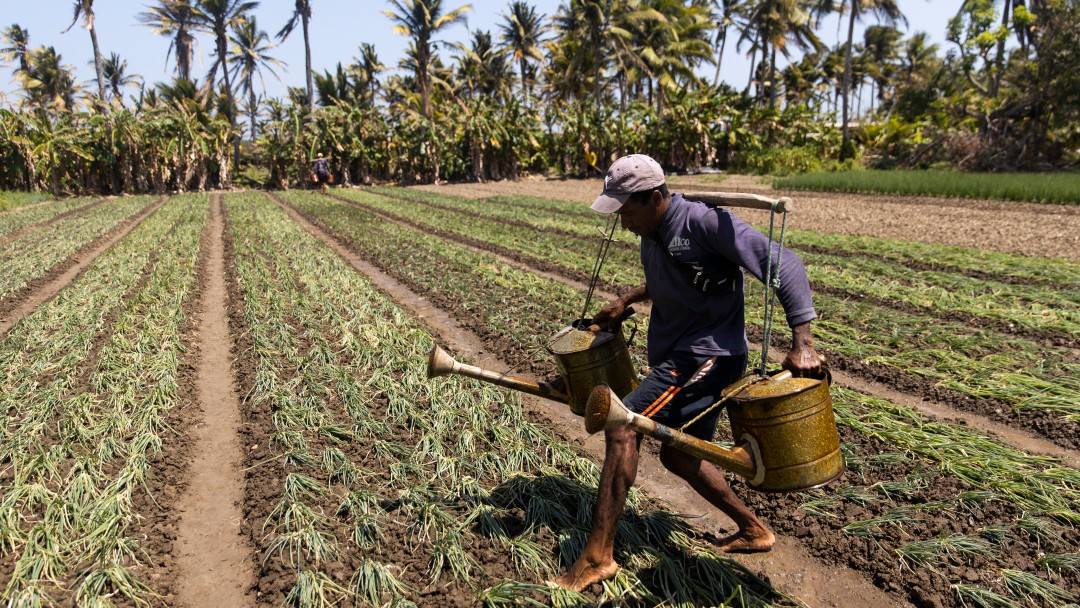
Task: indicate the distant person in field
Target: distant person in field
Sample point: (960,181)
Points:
(320,171)
(693,256)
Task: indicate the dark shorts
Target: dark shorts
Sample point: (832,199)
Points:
(664,397)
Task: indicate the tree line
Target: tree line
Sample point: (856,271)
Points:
(565,92)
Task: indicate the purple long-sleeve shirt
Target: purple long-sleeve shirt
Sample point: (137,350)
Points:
(686,320)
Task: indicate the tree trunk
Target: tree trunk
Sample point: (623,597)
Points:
(845,133)
(252,109)
(97,56)
(307,64)
(721,38)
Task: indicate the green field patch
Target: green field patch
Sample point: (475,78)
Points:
(1057,188)
(14,200)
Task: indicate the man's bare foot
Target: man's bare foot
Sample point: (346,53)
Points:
(746,542)
(583,573)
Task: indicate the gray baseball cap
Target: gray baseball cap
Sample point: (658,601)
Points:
(630,174)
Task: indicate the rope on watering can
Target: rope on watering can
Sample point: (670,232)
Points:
(747,381)
(600,256)
(772,285)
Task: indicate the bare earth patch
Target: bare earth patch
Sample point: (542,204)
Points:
(212,552)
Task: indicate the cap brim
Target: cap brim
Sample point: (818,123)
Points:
(609,203)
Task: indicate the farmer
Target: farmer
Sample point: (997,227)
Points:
(320,171)
(693,256)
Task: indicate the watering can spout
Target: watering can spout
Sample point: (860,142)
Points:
(440,363)
(605,410)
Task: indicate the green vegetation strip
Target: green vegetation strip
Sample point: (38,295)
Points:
(448,470)
(14,200)
(1059,188)
(10,222)
(578,254)
(1051,273)
(84,406)
(1054,307)
(33,254)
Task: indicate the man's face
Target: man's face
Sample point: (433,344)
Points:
(642,215)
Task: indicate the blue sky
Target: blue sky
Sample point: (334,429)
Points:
(337,29)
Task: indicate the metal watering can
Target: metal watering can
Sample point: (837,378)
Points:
(585,355)
(784,430)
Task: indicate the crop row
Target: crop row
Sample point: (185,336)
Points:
(1037,492)
(88,380)
(418,488)
(1017,372)
(12,221)
(33,254)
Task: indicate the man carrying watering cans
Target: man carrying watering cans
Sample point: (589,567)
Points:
(693,256)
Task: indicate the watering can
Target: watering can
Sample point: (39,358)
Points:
(585,354)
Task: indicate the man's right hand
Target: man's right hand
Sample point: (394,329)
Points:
(610,316)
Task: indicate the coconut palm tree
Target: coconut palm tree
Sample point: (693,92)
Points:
(17,49)
(49,84)
(522,30)
(919,57)
(421,20)
(115,70)
(778,23)
(670,40)
(584,27)
(881,51)
(883,10)
(302,13)
(85,9)
(727,14)
(482,68)
(248,57)
(369,66)
(217,17)
(178,20)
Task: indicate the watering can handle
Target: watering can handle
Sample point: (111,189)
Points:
(739,199)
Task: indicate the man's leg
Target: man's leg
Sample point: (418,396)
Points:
(597,561)
(709,482)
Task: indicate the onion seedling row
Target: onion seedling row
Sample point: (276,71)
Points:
(1004,267)
(432,488)
(32,255)
(28,216)
(1041,308)
(84,406)
(1035,489)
